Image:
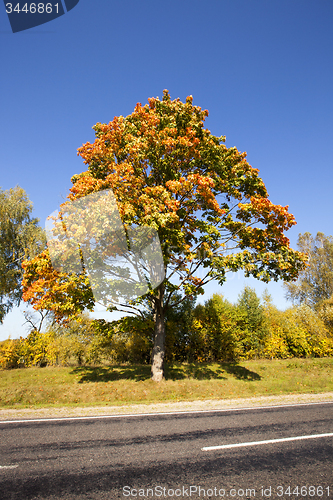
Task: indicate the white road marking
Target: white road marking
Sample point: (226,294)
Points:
(268,441)
(8,466)
(185,412)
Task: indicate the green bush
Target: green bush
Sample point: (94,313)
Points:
(250,319)
(216,330)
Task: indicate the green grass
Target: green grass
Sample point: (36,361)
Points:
(117,385)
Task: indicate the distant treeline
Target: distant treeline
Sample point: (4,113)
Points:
(215,331)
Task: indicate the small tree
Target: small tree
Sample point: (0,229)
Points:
(209,206)
(249,303)
(315,282)
(20,238)
(251,319)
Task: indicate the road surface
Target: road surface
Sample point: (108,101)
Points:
(172,455)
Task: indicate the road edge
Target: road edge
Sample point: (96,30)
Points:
(179,406)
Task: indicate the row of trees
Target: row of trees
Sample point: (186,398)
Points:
(214,331)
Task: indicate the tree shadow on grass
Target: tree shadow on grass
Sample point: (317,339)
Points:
(205,371)
(111,373)
(173,371)
(240,372)
(197,371)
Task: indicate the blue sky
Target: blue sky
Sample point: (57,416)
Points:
(263,69)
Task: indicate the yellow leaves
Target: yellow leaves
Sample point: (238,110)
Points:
(275,217)
(182,187)
(151,101)
(85,184)
(173,186)
(195,281)
(196,183)
(201,180)
(46,288)
(191,256)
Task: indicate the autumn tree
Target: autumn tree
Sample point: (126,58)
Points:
(20,238)
(315,282)
(209,206)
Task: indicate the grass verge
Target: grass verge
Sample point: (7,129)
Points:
(118,385)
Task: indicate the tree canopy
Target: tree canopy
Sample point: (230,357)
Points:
(20,238)
(209,207)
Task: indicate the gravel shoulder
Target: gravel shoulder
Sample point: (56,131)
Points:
(181,406)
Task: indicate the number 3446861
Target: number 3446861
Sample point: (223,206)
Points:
(32,8)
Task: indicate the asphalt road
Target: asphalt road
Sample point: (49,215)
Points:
(124,456)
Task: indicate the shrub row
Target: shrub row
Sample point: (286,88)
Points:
(215,331)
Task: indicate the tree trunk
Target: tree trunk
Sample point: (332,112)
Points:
(157,365)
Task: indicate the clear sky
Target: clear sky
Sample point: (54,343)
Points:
(263,69)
